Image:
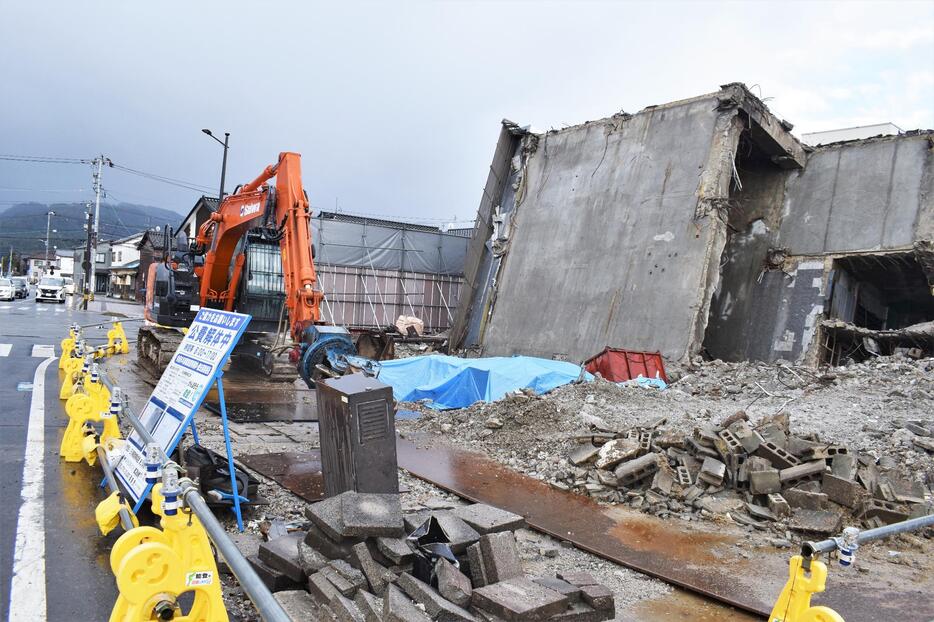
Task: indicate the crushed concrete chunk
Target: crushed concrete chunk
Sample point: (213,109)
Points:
(398,608)
(712,471)
(843,491)
(297,604)
(816,521)
(616,451)
(282,554)
(584,454)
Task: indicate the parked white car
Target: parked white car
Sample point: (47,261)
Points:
(51,288)
(7,291)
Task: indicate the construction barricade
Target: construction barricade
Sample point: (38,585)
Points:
(153,565)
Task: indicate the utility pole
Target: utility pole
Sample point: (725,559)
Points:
(94,233)
(86,264)
(225,145)
(48,228)
(10,267)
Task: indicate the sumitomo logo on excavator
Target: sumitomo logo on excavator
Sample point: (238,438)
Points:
(249,208)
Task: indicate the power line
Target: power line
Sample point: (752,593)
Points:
(161,178)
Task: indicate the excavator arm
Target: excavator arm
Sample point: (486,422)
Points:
(283,211)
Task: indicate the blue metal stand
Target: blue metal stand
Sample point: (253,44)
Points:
(234,488)
(194,432)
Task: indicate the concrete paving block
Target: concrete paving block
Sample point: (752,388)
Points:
(452,583)
(486,519)
(352,575)
(765,482)
(712,472)
(322,589)
(274,579)
(397,607)
(247,543)
(598,596)
(582,612)
(377,575)
(343,585)
(573,592)
(397,550)
(297,604)
(684,476)
(798,497)
(478,575)
(844,466)
(326,515)
(825,522)
(318,540)
(726,443)
(577,578)
(436,606)
(519,600)
(346,610)
(583,454)
(500,556)
(459,533)
(367,515)
(310,559)
(802,472)
(778,457)
(282,554)
(843,491)
(369,605)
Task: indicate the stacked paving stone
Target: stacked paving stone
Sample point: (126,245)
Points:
(354,564)
(760,475)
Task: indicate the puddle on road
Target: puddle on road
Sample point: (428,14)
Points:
(682,606)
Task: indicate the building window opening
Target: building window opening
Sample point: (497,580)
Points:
(879,305)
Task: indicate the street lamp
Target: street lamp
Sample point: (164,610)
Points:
(48,226)
(220,197)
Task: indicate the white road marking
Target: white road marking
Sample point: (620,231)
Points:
(42,308)
(5,349)
(27,591)
(43,351)
(10,307)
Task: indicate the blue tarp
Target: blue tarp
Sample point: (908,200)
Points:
(451,382)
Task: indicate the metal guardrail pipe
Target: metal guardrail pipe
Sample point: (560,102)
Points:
(268,607)
(809,549)
(125,519)
(113,321)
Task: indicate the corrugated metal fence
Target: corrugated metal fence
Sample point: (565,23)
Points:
(365,297)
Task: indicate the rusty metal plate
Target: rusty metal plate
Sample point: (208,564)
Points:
(694,556)
(299,473)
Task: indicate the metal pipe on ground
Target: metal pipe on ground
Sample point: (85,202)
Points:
(268,607)
(809,549)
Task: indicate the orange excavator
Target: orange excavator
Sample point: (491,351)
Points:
(254,255)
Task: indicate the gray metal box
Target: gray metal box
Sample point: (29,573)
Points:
(357,428)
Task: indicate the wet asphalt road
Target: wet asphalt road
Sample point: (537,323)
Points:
(79,583)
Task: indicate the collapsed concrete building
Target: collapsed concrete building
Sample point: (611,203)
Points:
(701,226)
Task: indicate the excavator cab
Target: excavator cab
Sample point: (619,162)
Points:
(171,285)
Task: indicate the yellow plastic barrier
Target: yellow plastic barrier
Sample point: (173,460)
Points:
(83,408)
(107,513)
(75,373)
(68,347)
(794,603)
(154,567)
(116,340)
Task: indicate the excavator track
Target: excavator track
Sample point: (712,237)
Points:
(155,346)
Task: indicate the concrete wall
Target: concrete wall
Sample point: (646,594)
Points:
(617,239)
(857,196)
(873,195)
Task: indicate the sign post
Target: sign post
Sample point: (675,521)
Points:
(196,365)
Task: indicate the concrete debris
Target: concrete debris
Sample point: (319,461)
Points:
(352,577)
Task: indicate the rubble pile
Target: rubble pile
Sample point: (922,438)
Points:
(755,475)
(360,558)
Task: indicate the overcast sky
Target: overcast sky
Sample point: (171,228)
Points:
(396,107)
